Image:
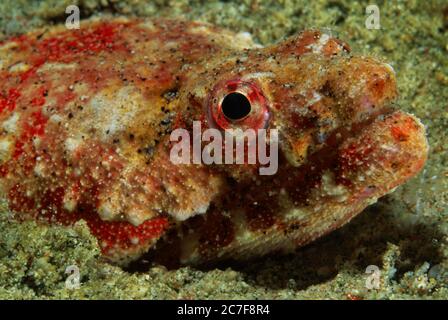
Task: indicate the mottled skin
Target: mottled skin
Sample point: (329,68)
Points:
(85,121)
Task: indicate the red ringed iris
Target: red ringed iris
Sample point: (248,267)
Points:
(238,104)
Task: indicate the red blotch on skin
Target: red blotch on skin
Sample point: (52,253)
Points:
(354,155)
(351,158)
(112,235)
(18,149)
(123,235)
(402,131)
(8,102)
(399,134)
(67,46)
(18,200)
(39,99)
(35,126)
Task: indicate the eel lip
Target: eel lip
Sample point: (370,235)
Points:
(387,153)
(409,133)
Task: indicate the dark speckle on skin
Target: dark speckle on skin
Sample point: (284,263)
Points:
(170,94)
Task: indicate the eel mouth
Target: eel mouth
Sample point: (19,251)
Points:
(388,142)
(369,157)
(380,156)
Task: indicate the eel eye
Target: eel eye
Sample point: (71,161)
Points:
(238,104)
(235,106)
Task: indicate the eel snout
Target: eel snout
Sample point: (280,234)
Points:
(387,153)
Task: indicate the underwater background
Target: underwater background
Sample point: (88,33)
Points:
(405,234)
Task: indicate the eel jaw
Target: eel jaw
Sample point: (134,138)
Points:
(385,154)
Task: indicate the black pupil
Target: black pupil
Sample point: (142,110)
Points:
(235,106)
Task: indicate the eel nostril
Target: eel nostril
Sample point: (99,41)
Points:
(235,106)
